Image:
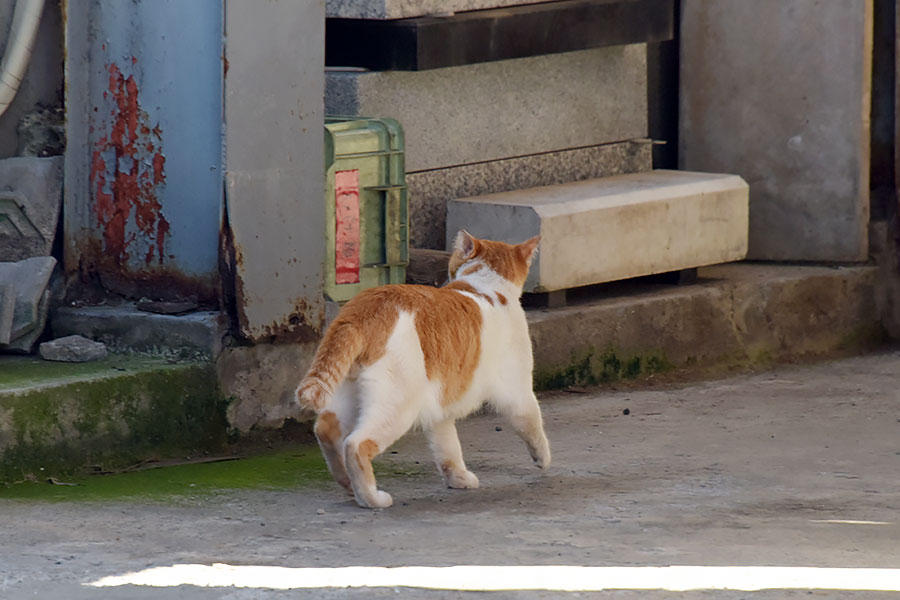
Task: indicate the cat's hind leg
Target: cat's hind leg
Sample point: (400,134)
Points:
(444,442)
(384,417)
(332,426)
(524,415)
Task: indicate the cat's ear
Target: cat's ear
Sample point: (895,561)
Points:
(464,244)
(528,248)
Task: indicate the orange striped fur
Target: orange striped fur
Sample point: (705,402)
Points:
(403,355)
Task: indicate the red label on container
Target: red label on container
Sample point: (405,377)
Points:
(346,238)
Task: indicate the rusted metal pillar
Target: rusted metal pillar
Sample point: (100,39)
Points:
(143,170)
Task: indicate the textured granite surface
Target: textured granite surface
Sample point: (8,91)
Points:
(401,9)
(489,111)
(429,191)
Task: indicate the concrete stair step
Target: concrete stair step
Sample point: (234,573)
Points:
(736,316)
(58,418)
(617,227)
(196,335)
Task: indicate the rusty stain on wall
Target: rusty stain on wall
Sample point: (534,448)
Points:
(302,324)
(144,180)
(127,171)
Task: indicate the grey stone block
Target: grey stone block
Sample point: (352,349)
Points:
(430,191)
(787,107)
(126,329)
(615,227)
(72,348)
(29,279)
(30,201)
(402,9)
(489,111)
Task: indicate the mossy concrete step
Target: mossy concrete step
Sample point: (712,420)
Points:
(58,418)
(736,315)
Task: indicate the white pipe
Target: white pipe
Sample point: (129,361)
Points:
(26,19)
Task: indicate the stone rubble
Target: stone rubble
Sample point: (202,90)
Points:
(27,281)
(72,348)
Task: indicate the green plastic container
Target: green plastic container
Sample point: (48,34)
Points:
(366,209)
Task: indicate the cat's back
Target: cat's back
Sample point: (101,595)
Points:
(441,316)
(445,324)
(425,302)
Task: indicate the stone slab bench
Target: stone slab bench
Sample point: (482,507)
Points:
(617,227)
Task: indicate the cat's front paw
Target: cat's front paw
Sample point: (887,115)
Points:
(379,499)
(462,480)
(542,458)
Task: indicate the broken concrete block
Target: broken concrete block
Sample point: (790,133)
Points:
(24,344)
(616,227)
(30,201)
(72,348)
(29,279)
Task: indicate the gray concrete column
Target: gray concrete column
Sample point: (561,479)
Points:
(780,93)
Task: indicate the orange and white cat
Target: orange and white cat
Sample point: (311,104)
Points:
(400,356)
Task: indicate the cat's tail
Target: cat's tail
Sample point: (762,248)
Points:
(340,348)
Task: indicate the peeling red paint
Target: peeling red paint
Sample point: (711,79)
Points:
(159,168)
(126,174)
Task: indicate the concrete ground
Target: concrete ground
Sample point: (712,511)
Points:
(797,467)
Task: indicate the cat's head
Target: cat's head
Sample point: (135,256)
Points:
(510,261)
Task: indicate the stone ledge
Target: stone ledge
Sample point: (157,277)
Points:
(490,35)
(403,9)
(57,418)
(537,104)
(126,329)
(736,315)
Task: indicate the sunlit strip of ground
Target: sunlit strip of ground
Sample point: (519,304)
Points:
(850,522)
(488,578)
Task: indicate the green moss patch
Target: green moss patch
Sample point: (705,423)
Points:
(297,469)
(280,471)
(864,337)
(593,368)
(129,411)
(18,373)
